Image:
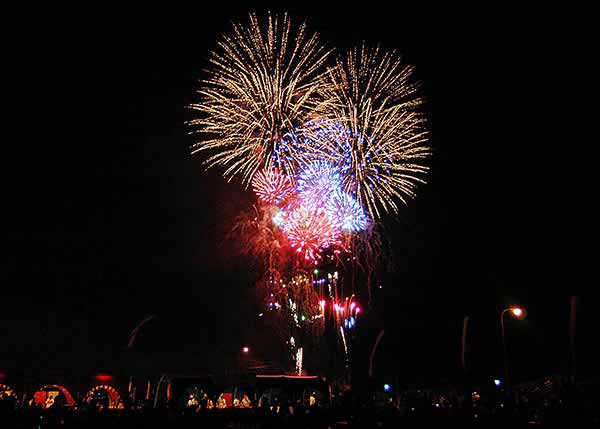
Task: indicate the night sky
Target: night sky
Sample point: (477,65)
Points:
(110,219)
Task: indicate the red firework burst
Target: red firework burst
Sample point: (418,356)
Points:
(309,231)
(271,186)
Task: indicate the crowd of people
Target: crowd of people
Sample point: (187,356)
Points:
(199,401)
(348,409)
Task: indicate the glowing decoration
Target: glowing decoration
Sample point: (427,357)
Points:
(310,231)
(50,388)
(263,81)
(387,387)
(271,187)
(113,395)
(7,391)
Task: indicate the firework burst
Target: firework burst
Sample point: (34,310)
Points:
(263,82)
(317,182)
(345,212)
(310,231)
(328,148)
(374,132)
(271,187)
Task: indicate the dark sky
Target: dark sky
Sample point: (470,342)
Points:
(111,219)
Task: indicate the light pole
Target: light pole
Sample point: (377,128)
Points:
(517,313)
(130,343)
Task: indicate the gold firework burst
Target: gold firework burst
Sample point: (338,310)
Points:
(374,131)
(263,82)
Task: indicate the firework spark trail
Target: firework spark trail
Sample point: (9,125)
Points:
(299,357)
(263,82)
(344,342)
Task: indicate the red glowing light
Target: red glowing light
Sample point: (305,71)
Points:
(245,349)
(103,377)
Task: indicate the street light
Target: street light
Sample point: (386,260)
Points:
(517,313)
(242,359)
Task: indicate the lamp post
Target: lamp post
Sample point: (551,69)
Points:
(517,313)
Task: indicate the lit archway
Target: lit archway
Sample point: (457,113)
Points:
(46,394)
(113,395)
